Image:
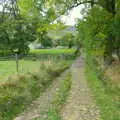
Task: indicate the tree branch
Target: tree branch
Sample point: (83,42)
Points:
(80,3)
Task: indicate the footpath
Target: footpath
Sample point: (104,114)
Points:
(80,104)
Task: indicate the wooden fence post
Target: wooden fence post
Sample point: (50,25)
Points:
(17,63)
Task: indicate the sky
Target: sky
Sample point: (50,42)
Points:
(72,17)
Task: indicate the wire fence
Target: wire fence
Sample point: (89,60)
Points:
(37,57)
(22,64)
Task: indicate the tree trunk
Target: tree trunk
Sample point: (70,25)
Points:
(110,7)
(92,3)
(118,53)
(108,51)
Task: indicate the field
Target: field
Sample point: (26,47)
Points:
(8,68)
(30,63)
(53,51)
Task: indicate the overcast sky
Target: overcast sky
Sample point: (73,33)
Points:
(73,15)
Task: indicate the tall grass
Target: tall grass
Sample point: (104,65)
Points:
(107,96)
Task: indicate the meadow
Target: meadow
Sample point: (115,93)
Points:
(31,62)
(53,51)
(8,68)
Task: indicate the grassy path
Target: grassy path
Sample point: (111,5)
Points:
(80,104)
(40,106)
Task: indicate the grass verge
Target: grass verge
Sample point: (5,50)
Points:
(17,94)
(61,96)
(59,100)
(107,98)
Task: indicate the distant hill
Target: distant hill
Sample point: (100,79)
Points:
(71,29)
(58,34)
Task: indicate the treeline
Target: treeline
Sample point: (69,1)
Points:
(22,22)
(99,30)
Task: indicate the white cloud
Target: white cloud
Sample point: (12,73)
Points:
(1,8)
(70,19)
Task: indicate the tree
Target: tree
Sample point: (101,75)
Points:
(94,30)
(39,14)
(44,39)
(20,20)
(67,40)
(110,7)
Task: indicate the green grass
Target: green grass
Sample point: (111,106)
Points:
(32,63)
(8,68)
(108,99)
(17,94)
(52,51)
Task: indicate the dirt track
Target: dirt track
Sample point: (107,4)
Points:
(80,104)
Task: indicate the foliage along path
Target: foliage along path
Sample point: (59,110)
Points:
(79,106)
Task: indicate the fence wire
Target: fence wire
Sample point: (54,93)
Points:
(26,63)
